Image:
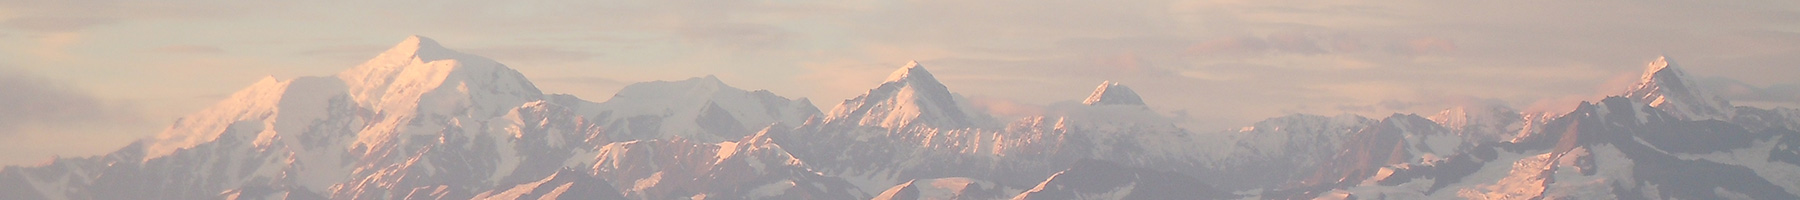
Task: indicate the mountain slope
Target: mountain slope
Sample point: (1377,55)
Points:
(877,158)
(1113,93)
(702,109)
(910,97)
(1667,87)
(1638,146)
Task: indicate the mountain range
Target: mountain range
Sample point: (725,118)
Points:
(421,121)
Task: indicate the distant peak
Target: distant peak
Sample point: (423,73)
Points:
(1662,72)
(1113,93)
(267,78)
(420,41)
(664,90)
(912,71)
(1668,87)
(1661,63)
(714,80)
(713,83)
(418,65)
(910,96)
(412,49)
(421,47)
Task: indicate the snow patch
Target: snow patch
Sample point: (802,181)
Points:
(647,182)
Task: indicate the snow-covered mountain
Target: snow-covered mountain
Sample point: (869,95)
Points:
(1113,93)
(1015,157)
(1662,140)
(911,97)
(702,109)
(421,121)
(1482,123)
(1667,87)
(418,120)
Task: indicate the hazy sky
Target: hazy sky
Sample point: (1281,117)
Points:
(82,78)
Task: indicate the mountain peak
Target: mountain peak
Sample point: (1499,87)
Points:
(713,81)
(910,96)
(420,47)
(911,72)
(1113,93)
(412,51)
(1657,66)
(1665,86)
(419,41)
(400,76)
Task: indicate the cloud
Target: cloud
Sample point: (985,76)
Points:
(1427,45)
(1615,85)
(592,88)
(1388,105)
(737,36)
(1226,62)
(72,16)
(842,79)
(1298,43)
(1738,92)
(33,102)
(349,52)
(188,49)
(1281,54)
(1230,46)
(1283,43)
(55,46)
(586,80)
(42,118)
(1558,105)
(535,54)
(1002,108)
(54,24)
(517,55)
(1422,102)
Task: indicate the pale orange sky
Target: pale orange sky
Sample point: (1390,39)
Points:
(102,73)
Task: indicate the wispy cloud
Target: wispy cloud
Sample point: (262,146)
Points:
(345,52)
(585,80)
(54,24)
(1227,62)
(33,100)
(1784,94)
(37,111)
(188,49)
(535,54)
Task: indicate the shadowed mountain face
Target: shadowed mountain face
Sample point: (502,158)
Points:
(421,121)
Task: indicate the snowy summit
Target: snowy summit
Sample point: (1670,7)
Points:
(910,97)
(1666,86)
(1113,93)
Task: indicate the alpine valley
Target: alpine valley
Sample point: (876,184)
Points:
(421,121)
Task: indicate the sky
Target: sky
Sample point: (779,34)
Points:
(82,78)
